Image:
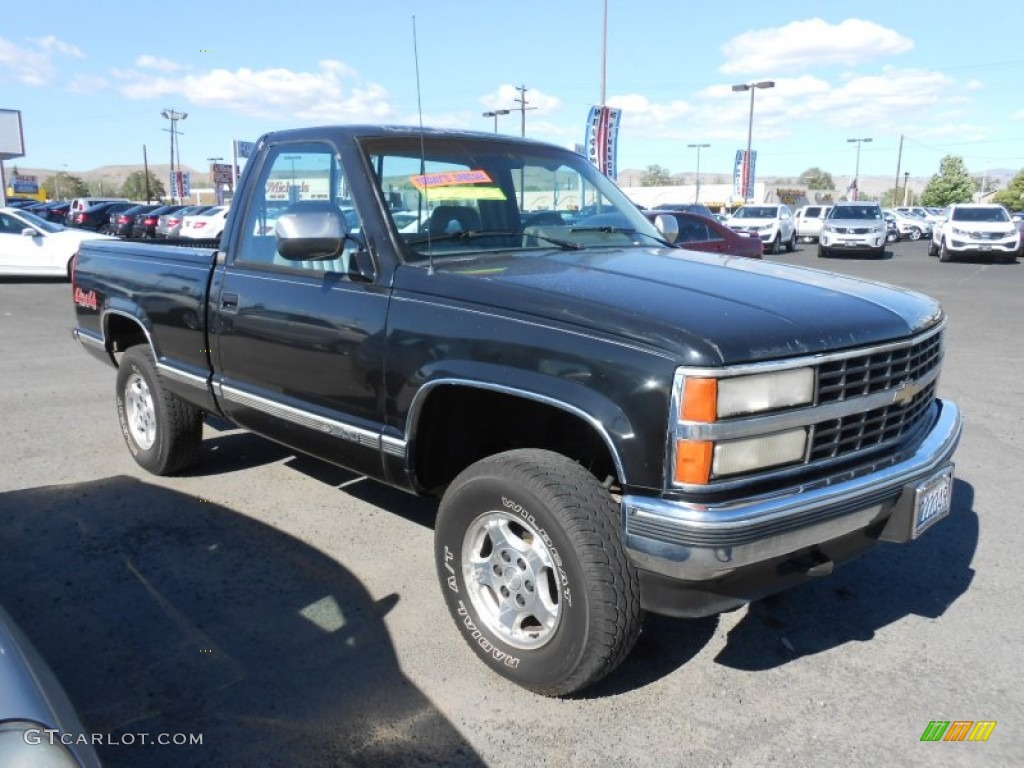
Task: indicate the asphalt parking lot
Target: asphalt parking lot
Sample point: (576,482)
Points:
(288,611)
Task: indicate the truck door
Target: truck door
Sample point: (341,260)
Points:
(298,346)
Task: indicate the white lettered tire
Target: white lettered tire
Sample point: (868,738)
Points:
(530,559)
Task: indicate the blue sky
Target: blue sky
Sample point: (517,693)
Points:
(91,81)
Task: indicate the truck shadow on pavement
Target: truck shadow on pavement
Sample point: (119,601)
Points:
(162,613)
(888,583)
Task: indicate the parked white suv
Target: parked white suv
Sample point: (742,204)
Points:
(910,227)
(853,226)
(972,229)
(772,223)
(808,220)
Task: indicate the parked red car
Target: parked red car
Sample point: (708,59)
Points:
(699,233)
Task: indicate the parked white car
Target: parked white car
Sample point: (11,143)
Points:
(206,225)
(973,229)
(917,210)
(772,223)
(808,220)
(33,247)
(910,227)
(853,226)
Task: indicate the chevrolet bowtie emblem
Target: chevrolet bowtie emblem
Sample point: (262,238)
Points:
(905,392)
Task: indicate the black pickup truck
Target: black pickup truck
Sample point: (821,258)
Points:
(612,424)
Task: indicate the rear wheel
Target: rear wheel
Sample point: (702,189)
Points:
(162,431)
(529,553)
(915,233)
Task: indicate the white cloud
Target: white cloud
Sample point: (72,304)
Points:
(1018,115)
(803,45)
(33,64)
(537,102)
(152,62)
(333,93)
(87,84)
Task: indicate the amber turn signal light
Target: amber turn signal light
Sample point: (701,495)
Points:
(700,400)
(693,461)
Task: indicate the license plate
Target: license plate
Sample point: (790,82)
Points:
(933,500)
(985,248)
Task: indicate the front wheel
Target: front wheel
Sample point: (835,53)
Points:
(776,246)
(944,254)
(822,252)
(933,249)
(162,431)
(791,245)
(530,557)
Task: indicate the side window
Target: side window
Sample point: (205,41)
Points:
(9,225)
(293,177)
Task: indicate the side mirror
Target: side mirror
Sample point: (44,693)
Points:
(311,231)
(29,232)
(668,226)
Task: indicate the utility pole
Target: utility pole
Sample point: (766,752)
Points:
(906,181)
(899,161)
(145,170)
(521,101)
(698,147)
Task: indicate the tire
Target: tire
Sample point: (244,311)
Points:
(791,245)
(915,233)
(776,246)
(531,531)
(933,249)
(944,254)
(162,431)
(822,252)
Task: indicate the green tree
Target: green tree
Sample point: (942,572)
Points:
(1013,196)
(656,176)
(64,186)
(892,198)
(952,184)
(134,187)
(815,178)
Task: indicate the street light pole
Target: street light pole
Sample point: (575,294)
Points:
(856,172)
(495,113)
(174,116)
(698,147)
(750,128)
(216,187)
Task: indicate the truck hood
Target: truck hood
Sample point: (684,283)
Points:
(703,309)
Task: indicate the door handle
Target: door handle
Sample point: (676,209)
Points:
(229,302)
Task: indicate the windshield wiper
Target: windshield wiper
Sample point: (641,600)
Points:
(565,245)
(607,228)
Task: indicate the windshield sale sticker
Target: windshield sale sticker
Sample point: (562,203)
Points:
(468,193)
(448,178)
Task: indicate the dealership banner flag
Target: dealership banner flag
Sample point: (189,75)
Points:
(602,135)
(743,175)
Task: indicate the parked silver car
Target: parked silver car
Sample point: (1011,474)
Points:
(853,226)
(38,726)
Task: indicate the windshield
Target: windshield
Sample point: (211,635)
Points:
(38,223)
(756,212)
(856,212)
(980,214)
(467,195)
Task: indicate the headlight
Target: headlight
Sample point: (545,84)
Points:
(29,744)
(705,400)
(736,456)
(711,399)
(958,231)
(828,228)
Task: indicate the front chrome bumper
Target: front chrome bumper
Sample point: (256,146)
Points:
(703,542)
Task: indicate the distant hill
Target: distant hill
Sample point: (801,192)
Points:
(112,176)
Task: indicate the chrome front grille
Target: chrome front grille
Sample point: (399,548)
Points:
(860,431)
(867,374)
